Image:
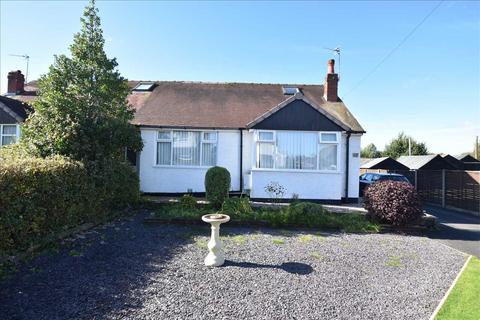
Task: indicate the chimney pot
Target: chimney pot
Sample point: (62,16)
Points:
(16,82)
(331,66)
(331,83)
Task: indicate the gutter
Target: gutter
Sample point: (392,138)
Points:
(241,160)
(347,153)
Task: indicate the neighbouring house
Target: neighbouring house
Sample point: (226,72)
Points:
(426,162)
(469,162)
(12,112)
(454,162)
(300,136)
(382,164)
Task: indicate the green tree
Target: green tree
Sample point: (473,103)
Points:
(370,151)
(399,147)
(82,110)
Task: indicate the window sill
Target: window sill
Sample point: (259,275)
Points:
(180,167)
(295,170)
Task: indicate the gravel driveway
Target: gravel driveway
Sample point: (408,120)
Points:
(127,270)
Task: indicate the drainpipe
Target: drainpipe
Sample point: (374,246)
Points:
(241,161)
(347,153)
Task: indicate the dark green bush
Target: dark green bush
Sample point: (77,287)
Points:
(237,207)
(188,201)
(115,183)
(217,185)
(40,198)
(392,202)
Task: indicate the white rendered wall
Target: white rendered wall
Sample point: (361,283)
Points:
(178,179)
(308,185)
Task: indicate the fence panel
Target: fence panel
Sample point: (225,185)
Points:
(463,190)
(429,186)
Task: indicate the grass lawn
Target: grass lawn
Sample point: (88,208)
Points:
(309,215)
(464,300)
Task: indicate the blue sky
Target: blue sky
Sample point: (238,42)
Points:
(428,88)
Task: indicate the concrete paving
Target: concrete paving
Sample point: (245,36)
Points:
(456,229)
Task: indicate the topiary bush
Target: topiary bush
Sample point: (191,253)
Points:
(217,185)
(392,202)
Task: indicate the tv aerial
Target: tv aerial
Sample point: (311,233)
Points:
(336,51)
(26,57)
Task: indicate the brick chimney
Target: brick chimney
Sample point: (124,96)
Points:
(16,82)
(331,83)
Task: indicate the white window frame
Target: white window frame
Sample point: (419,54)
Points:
(16,135)
(170,140)
(257,141)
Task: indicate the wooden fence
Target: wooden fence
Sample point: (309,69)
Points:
(456,189)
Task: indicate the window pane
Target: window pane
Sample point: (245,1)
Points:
(8,140)
(164,135)
(265,155)
(164,151)
(186,148)
(328,157)
(296,150)
(10,129)
(210,136)
(265,136)
(329,137)
(209,154)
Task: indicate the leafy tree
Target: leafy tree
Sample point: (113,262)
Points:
(399,147)
(370,151)
(82,110)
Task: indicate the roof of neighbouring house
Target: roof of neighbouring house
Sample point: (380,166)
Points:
(220,105)
(19,109)
(383,163)
(466,157)
(365,160)
(453,161)
(431,161)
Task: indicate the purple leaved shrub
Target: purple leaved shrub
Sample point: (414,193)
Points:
(392,202)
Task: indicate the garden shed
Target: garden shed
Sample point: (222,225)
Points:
(426,162)
(382,164)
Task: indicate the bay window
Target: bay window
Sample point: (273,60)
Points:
(8,134)
(186,148)
(297,150)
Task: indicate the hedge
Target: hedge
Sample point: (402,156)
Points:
(40,198)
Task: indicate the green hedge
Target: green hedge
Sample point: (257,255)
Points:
(300,214)
(41,197)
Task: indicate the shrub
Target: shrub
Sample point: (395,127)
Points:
(275,190)
(41,197)
(115,183)
(217,185)
(188,201)
(237,208)
(393,202)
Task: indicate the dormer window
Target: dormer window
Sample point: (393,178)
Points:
(144,86)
